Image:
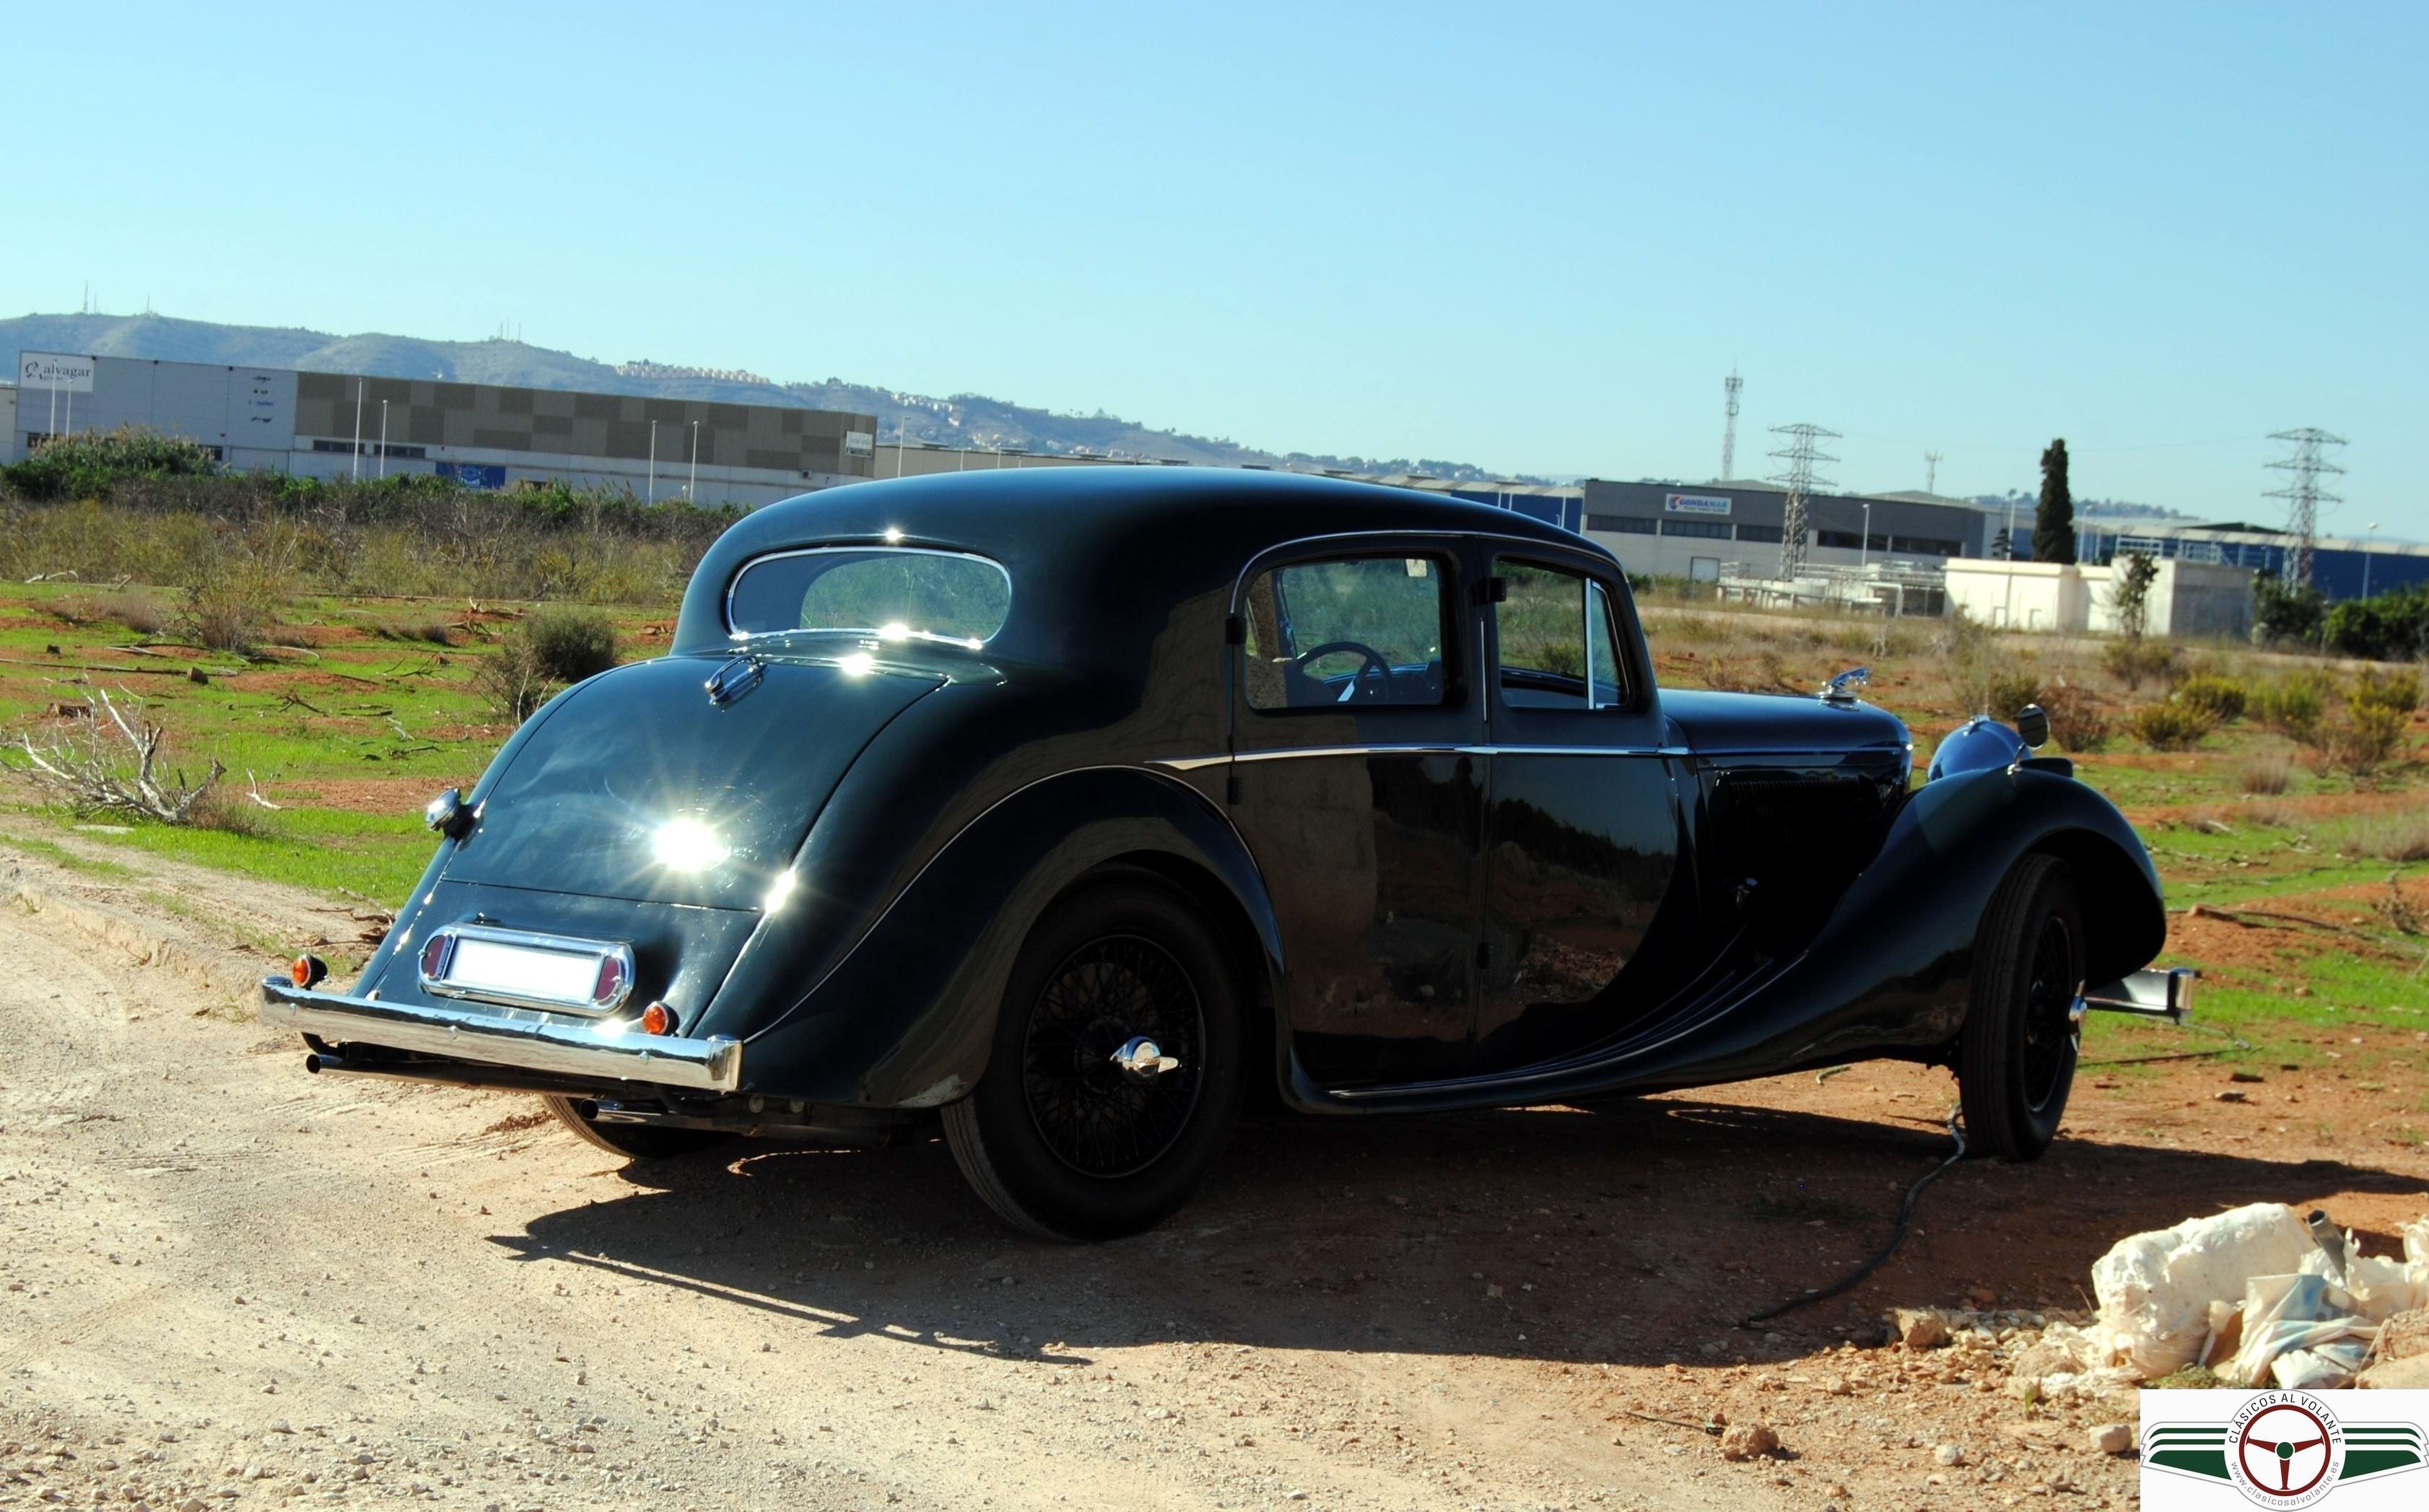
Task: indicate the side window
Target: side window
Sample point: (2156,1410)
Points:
(1559,641)
(1358,629)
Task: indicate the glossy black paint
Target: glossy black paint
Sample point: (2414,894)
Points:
(1451,905)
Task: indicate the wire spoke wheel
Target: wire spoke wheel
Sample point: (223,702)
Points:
(1095,1117)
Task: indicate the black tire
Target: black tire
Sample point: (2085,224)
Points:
(2017,1052)
(635,1142)
(1057,1138)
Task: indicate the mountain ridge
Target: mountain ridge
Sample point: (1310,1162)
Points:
(969,419)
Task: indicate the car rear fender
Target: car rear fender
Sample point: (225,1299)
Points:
(906,1017)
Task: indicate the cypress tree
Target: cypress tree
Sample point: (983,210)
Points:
(2054,523)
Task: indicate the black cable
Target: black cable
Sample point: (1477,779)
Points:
(1904,1218)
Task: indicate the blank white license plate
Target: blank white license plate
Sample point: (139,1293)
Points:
(487,966)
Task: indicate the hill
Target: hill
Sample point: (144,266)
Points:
(957,419)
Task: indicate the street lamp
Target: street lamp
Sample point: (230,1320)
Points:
(383,467)
(653,461)
(1864,552)
(2367,542)
(691,489)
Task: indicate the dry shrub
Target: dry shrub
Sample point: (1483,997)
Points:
(2270,772)
(114,760)
(234,588)
(2393,834)
(2169,726)
(2010,688)
(2076,721)
(132,610)
(552,649)
(2135,661)
(2218,697)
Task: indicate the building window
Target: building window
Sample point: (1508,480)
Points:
(1922,546)
(371,449)
(1768,535)
(1619,524)
(1710,530)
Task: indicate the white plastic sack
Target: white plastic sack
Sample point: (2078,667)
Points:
(2156,1288)
(2302,1315)
(2383,1286)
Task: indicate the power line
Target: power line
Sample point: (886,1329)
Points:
(1730,433)
(2303,494)
(1800,455)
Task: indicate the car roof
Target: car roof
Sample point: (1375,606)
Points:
(1075,539)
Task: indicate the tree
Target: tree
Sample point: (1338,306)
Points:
(2054,523)
(2130,579)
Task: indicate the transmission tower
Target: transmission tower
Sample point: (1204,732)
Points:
(2304,495)
(1800,454)
(1729,432)
(1930,471)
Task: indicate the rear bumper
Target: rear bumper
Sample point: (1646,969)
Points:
(508,1037)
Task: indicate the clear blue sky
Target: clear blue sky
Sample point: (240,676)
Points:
(1535,237)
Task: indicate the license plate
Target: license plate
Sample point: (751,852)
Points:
(525,969)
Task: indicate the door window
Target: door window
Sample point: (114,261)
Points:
(1366,630)
(1558,641)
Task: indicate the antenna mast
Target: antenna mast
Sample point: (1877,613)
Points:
(1729,432)
(1930,471)
(1800,455)
(2303,494)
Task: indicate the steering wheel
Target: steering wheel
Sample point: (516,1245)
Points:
(1371,657)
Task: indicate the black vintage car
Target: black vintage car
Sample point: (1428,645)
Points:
(1059,807)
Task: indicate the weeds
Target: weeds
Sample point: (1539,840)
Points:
(2268,773)
(2399,835)
(2292,705)
(2076,720)
(2135,661)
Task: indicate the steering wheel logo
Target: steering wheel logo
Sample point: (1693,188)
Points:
(2287,1451)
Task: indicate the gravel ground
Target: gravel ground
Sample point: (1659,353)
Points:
(228,1284)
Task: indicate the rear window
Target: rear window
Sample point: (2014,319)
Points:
(893,593)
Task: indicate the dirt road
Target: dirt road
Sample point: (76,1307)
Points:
(230,1284)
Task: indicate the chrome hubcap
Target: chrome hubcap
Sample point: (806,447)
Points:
(1143,1060)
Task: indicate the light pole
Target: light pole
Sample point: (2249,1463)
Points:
(691,489)
(1864,552)
(653,461)
(383,467)
(2368,541)
(357,475)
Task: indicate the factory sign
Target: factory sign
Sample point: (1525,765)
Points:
(473,474)
(1694,504)
(859,443)
(54,371)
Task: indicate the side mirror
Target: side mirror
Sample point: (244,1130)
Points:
(447,814)
(2032,723)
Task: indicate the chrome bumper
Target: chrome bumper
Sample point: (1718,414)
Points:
(2150,993)
(508,1037)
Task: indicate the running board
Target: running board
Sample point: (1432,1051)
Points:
(2151,993)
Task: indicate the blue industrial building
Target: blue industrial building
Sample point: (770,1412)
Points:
(2341,566)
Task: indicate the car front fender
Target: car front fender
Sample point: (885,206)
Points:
(906,1017)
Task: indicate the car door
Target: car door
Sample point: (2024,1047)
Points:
(1581,830)
(1357,783)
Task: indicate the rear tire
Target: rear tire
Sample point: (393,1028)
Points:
(1057,1138)
(634,1142)
(2016,1054)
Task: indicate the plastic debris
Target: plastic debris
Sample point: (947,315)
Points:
(2258,1294)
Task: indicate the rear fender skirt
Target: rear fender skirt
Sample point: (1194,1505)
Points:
(907,1017)
(1888,973)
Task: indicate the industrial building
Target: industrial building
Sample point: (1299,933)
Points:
(1695,530)
(331,425)
(2342,566)
(2186,597)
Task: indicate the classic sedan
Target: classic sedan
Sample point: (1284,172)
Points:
(1060,809)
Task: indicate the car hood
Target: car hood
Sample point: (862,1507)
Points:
(1762,723)
(633,786)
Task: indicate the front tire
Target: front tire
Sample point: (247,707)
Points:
(2016,1054)
(1060,1139)
(634,1142)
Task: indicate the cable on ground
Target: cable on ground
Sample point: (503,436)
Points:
(1905,1220)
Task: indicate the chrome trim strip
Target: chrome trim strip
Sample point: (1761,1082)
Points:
(1576,545)
(566,944)
(1009,589)
(1281,753)
(494,1036)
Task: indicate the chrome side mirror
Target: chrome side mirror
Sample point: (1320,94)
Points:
(447,814)
(2032,723)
